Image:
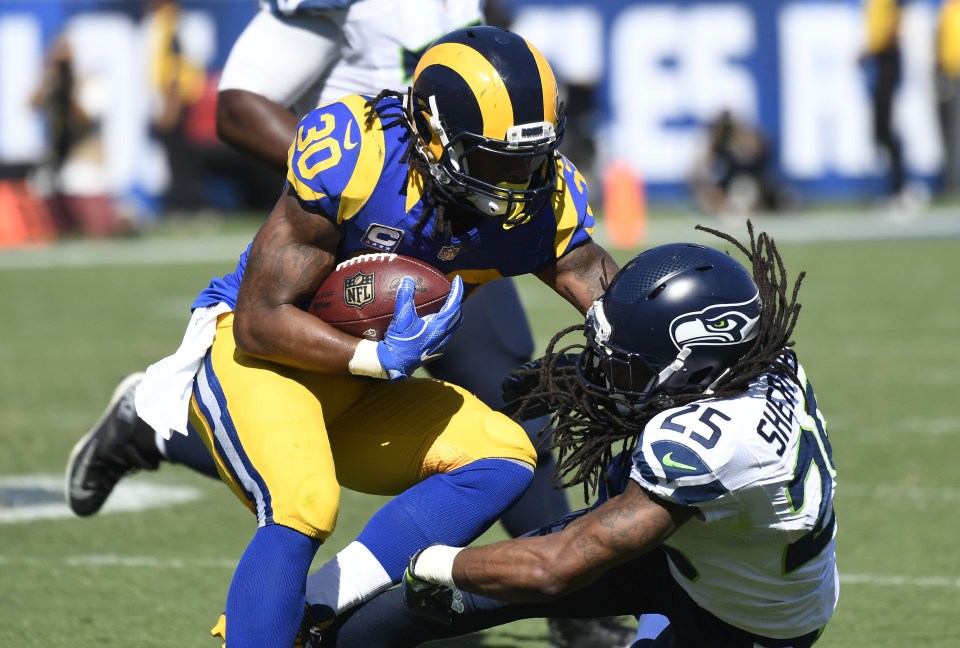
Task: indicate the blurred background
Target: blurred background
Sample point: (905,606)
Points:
(725,108)
(833,124)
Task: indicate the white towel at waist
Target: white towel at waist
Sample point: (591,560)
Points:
(163,398)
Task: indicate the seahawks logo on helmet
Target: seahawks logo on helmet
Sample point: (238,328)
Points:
(717,325)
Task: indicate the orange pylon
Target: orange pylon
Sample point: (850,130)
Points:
(624,206)
(24,219)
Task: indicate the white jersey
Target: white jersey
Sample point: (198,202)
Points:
(386,38)
(293,7)
(758,469)
(300,56)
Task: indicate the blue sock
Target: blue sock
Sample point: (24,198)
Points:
(265,602)
(189,450)
(452,509)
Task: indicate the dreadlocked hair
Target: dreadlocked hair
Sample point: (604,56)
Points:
(591,427)
(415,159)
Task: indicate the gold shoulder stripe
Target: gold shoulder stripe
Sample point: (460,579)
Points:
(369,165)
(415,189)
(476,71)
(565,211)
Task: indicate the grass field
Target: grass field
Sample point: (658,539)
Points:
(878,335)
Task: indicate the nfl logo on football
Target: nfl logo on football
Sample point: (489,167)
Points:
(358,290)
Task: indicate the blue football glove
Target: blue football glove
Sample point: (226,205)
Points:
(436,602)
(411,340)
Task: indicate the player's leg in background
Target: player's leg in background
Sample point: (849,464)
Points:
(120,443)
(494,338)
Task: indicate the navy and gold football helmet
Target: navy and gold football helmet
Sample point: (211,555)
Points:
(484,104)
(674,320)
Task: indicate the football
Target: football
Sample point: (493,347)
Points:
(359,296)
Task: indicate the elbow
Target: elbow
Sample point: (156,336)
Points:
(248,338)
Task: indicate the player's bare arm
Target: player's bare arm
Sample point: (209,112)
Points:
(581,275)
(257,126)
(550,566)
(291,255)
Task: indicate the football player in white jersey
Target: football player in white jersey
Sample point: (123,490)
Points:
(297,54)
(718,514)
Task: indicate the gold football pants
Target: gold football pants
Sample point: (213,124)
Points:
(285,440)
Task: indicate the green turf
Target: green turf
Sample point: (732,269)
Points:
(878,336)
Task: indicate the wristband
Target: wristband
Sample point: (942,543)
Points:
(365,361)
(435,564)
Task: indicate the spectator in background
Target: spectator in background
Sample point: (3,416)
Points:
(948,90)
(176,84)
(881,57)
(733,175)
(74,101)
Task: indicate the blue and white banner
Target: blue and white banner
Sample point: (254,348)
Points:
(663,70)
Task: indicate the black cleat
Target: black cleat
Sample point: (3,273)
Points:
(604,632)
(316,618)
(311,628)
(107,452)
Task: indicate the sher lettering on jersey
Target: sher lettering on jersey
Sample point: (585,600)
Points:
(778,414)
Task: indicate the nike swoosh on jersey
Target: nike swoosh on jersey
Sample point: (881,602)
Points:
(347,144)
(429,356)
(670,463)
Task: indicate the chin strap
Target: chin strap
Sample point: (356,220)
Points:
(713,385)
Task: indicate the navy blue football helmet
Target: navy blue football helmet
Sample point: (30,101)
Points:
(673,321)
(485,106)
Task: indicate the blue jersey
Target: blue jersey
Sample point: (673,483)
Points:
(352,175)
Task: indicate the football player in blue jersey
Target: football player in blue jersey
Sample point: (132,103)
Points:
(717,514)
(291,57)
(462,172)
(375,44)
